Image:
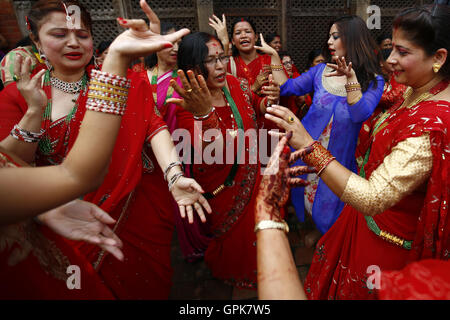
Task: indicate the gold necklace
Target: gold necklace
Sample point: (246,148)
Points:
(379,125)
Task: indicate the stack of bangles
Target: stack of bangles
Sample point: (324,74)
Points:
(25,135)
(319,157)
(277,67)
(352,86)
(174,178)
(108,93)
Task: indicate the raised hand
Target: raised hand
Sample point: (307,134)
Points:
(84,221)
(195,94)
(341,68)
(188,195)
(29,88)
(277,180)
(141,39)
(221,29)
(286,119)
(265,47)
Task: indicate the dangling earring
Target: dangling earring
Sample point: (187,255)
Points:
(45,60)
(436,67)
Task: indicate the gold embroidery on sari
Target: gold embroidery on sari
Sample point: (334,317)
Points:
(405,169)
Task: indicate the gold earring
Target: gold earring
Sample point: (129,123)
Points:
(436,67)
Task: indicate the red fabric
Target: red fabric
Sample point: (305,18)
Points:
(231,254)
(128,279)
(34,262)
(145,268)
(250,72)
(392,96)
(339,268)
(423,280)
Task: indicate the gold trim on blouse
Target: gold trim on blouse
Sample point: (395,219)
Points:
(402,171)
(338,89)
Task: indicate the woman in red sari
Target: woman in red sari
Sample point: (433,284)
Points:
(69,50)
(397,209)
(225,105)
(159,225)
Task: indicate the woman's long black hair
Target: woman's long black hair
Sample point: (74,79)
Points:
(362,50)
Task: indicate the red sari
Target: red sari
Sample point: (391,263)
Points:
(129,279)
(250,72)
(340,262)
(392,95)
(423,280)
(34,262)
(230,252)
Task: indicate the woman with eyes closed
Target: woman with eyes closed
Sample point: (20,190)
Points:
(342,102)
(68,48)
(211,99)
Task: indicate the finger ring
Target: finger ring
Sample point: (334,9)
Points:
(189,90)
(291,119)
(16,78)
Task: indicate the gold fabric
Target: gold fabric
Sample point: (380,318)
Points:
(406,168)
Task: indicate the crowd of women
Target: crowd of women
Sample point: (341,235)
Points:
(87,142)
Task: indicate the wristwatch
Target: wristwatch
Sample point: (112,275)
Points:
(269,224)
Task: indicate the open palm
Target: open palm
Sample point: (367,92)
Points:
(141,38)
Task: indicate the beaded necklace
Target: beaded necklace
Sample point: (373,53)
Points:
(154,86)
(47,145)
(67,87)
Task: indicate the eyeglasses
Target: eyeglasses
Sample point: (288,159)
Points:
(287,62)
(212,61)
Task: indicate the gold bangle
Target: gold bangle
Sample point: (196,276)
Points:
(319,158)
(276,67)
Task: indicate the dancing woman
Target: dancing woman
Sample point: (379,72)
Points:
(68,52)
(343,100)
(397,208)
(211,99)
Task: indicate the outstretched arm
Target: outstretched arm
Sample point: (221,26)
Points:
(186,192)
(277,274)
(407,167)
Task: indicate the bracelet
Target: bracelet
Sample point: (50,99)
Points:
(25,135)
(170,166)
(270,224)
(107,93)
(174,179)
(277,67)
(319,158)
(206,116)
(211,122)
(352,86)
(353,89)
